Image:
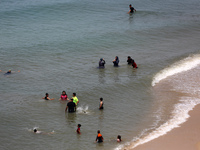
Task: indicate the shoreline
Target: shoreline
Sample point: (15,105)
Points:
(184,137)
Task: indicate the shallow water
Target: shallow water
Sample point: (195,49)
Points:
(56,45)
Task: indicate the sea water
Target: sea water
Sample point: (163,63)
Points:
(56,45)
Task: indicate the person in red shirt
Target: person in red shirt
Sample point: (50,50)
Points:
(78,129)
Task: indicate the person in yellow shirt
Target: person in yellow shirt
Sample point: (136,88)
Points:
(75,99)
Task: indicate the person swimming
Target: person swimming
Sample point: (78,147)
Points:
(63,96)
(36,131)
(119,138)
(47,97)
(9,72)
(41,132)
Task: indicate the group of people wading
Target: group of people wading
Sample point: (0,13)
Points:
(130,61)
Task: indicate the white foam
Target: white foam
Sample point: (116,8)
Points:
(181,66)
(82,109)
(180,115)
(181,110)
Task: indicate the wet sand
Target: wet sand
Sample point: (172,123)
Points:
(185,137)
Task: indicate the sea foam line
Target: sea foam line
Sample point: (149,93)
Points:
(180,115)
(181,110)
(181,66)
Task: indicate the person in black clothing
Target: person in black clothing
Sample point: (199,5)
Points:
(101,63)
(132,9)
(99,137)
(71,106)
(132,62)
(116,61)
(129,60)
(47,97)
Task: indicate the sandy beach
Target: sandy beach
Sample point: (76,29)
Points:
(185,137)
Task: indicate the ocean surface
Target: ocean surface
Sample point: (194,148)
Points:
(55,45)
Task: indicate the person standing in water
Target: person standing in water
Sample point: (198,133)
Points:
(47,97)
(101,103)
(63,96)
(132,9)
(75,99)
(71,106)
(116,61)
(101,63)
(78,129)
(99,137)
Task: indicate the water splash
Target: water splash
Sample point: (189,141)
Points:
(83,110)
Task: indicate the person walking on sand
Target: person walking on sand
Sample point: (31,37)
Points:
(75,99)
(71,106)
(99,137)
(47,97)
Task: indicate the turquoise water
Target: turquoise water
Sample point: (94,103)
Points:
(56,45)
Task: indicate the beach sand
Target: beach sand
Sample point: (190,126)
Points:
(185,137)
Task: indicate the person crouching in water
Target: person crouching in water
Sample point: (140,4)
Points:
(99,137)
(101,103)
(134,64)
(129,60)
(101,63)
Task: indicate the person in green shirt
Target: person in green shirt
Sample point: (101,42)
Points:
(75,99)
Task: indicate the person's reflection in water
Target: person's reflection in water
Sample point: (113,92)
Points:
(101,76)
(70,117)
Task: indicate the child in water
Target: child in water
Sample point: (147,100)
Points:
(99,137)
(78,129)
(119,138)
(101,103)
